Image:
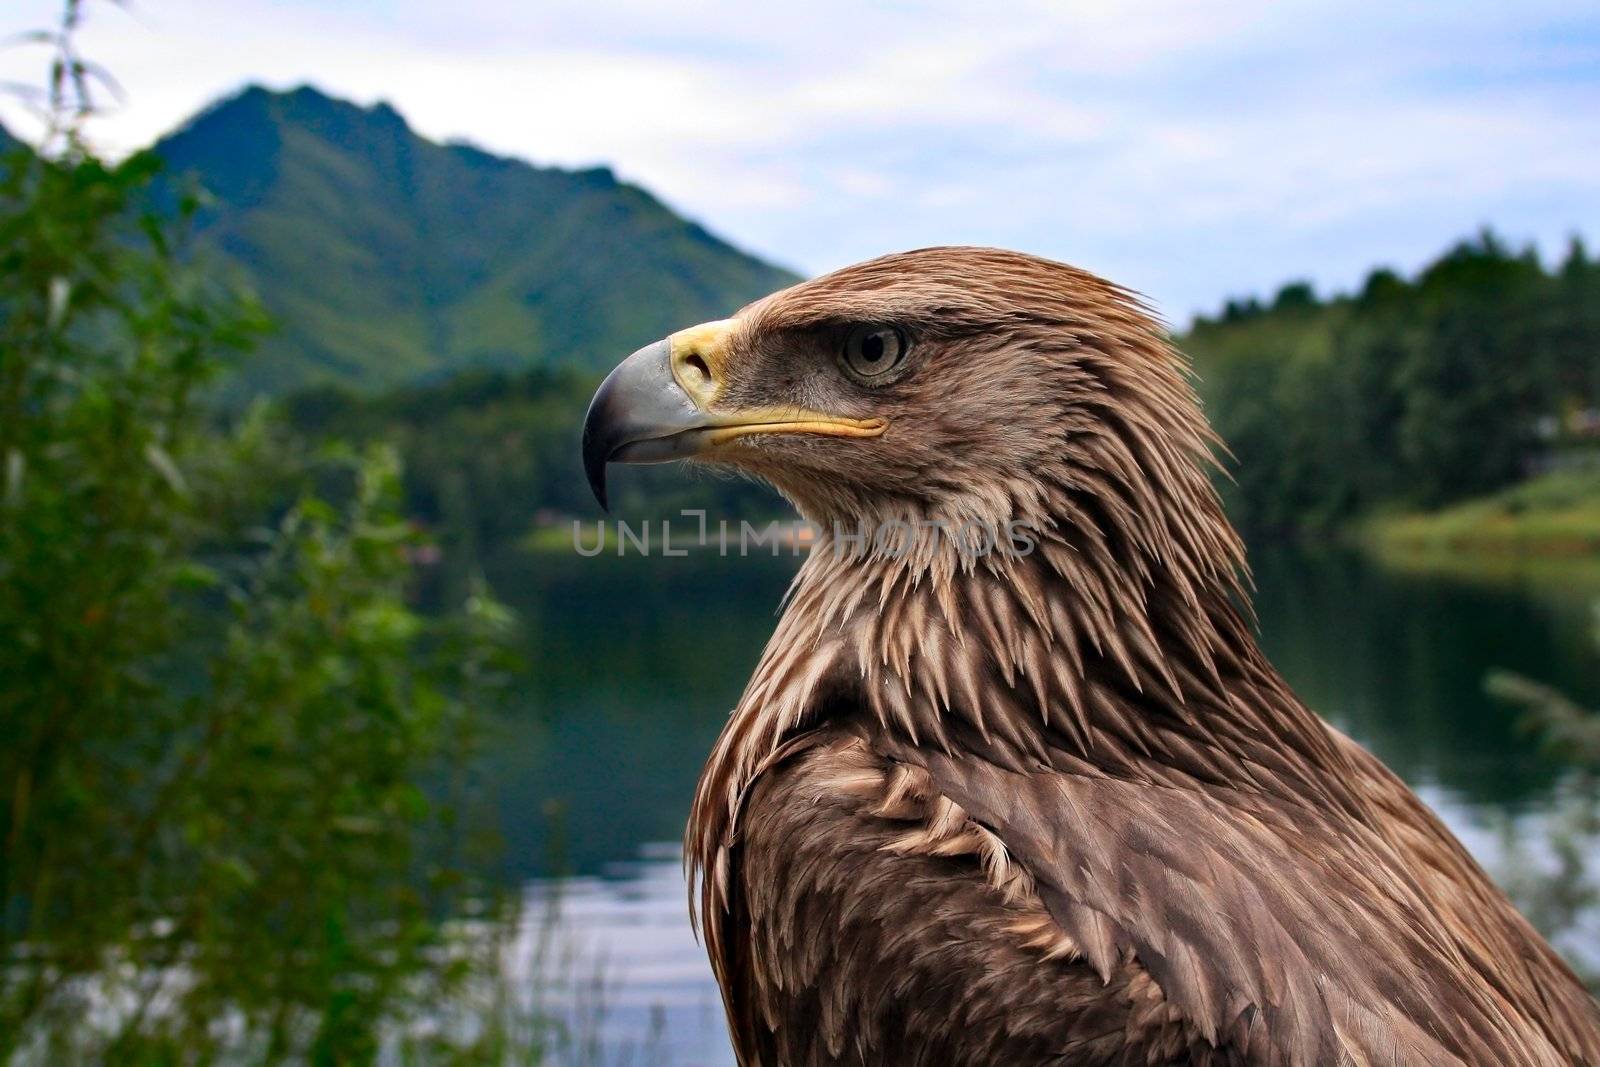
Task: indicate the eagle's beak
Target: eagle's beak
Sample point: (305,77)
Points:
(639,415)
(657,405)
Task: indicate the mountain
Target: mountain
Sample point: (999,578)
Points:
(385,257)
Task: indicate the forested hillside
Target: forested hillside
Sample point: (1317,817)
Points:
(384,257)
(1482,369)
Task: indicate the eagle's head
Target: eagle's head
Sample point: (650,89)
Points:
(950,385)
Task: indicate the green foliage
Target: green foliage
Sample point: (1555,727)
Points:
(103,343)
(1413,393)
(386,257)
(231,745)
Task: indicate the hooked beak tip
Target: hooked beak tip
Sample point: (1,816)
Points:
(637,401)
(595,470)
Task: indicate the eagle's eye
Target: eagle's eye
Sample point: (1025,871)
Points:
(871,353)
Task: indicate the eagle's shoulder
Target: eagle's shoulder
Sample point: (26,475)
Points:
(876,922)
(1497,941)
(874,888)
(1298,934)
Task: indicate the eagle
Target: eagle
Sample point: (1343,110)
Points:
(1013,782)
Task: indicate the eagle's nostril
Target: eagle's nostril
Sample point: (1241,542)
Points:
(695,363)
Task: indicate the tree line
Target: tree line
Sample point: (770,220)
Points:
(1411,393)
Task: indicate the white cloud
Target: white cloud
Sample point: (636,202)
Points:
(1192,149)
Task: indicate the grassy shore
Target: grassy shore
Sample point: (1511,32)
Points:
(1545,531)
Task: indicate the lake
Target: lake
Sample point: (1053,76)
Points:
(634,662)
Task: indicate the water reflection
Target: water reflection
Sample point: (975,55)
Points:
(633,664)
(659,1002)
(1398,662)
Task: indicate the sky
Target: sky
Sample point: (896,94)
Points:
(1191,149)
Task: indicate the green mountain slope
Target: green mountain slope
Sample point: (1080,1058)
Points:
(385,257)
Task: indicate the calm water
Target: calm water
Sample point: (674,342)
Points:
(634,663)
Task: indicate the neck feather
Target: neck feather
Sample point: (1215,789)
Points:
(1089,653)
